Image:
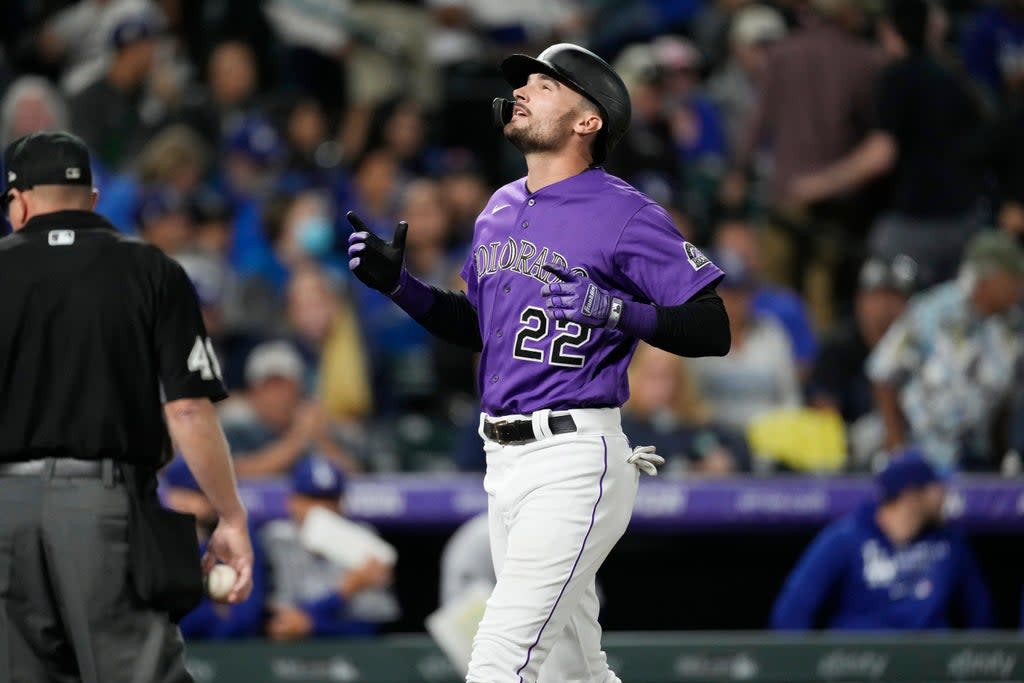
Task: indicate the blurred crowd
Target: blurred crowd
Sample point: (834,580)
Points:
(855,166)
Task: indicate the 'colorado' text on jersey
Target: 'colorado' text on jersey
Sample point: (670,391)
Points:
(594,224)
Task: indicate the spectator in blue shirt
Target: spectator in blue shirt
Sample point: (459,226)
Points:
(993,49)
(253,154)
(214,620)
(780,303)
(162,218)
(697,128)
(889,565)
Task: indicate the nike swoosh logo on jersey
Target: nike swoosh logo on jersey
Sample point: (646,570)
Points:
(499,208)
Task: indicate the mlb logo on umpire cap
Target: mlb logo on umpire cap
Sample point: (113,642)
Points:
(47,158)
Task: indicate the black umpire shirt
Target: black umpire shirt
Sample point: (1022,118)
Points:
(97,329)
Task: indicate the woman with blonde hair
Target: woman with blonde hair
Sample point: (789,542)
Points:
(327,327)
(176,157)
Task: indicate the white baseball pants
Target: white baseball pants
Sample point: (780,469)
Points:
(557,506)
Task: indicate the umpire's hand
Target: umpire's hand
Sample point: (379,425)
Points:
(231,545)
(377,263)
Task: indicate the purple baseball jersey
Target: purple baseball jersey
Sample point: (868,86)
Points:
(594,224)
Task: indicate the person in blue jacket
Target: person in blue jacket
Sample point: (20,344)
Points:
(891,564)
(214,620)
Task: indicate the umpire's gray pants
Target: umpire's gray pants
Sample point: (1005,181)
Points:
(68,609)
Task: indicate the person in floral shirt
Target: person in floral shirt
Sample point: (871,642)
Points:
(944,372)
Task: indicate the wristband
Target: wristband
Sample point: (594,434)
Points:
(411,295)
(614,313)
(637,319)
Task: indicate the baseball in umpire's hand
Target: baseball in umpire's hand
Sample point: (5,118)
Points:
(576,299)
(378,264)
(231,545)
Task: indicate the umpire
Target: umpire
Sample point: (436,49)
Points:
(97,330)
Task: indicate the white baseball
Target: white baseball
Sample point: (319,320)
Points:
(220,580)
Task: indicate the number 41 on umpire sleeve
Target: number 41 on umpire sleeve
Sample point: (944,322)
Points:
(203,360)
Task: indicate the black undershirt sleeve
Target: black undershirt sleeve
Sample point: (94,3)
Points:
(698,327)
(452,318)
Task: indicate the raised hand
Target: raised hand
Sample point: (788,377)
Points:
(577,299)
(378,264)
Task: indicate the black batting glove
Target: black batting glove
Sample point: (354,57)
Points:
(378,264)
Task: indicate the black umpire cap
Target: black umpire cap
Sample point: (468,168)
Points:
(45,158)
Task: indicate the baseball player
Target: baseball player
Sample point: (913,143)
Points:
(570,267)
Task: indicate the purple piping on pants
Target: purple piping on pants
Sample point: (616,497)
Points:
(593,516)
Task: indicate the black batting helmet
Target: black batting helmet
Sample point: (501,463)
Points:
(586,73)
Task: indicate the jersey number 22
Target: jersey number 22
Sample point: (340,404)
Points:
(535,328)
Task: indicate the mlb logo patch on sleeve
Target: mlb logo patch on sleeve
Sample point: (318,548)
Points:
(694,256)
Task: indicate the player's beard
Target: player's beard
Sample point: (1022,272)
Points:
(541,136)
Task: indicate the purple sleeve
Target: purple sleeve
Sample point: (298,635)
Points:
(469,275)
(658,264)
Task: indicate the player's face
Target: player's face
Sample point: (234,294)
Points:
(543,117)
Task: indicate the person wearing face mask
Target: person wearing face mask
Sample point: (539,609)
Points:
(945,370)
(891,564)
(301,233)
(315,235)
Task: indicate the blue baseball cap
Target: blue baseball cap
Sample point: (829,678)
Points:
(177,475)
(317,477)
(256,138)
(157,203)
(209,204)
(907,470)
